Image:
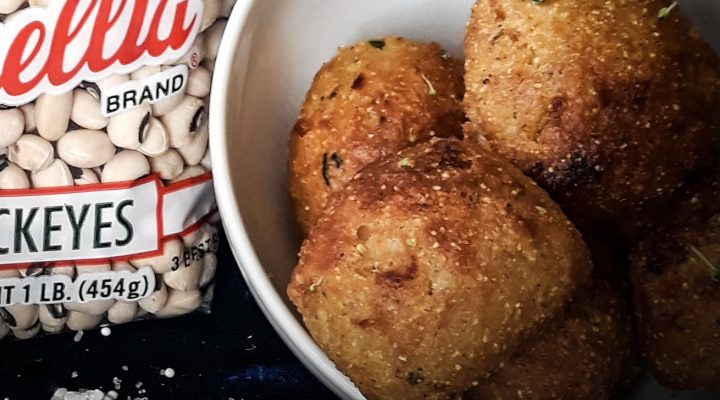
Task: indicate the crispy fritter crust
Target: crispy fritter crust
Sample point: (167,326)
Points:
(600,102)
(585,353)
(677,290)
(373,99)
(426,271)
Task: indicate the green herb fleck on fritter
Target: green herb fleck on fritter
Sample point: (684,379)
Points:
(314,286)
(411,241)
(415,377)
(406,163)
(431,90)
(378,44)
(665,11)
(715,272)
(335,159)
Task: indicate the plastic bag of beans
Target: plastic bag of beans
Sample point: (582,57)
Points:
(107,213)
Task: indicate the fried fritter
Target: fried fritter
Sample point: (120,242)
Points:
(371,100)
(584,353)
(676,274)
(602,103)
(426,271)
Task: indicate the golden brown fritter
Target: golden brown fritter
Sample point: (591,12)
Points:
(676,273)
(424,273)
(585,353)
(600,102)
(373,99)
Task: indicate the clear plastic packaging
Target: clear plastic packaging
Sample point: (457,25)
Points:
(107,211)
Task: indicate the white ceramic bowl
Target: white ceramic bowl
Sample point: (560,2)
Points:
(268,57)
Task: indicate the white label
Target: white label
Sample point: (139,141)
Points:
(53,49)
(53,289)
(193,203)
(154,88)
(99,222)
(70,226)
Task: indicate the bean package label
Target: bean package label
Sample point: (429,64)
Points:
(107,211)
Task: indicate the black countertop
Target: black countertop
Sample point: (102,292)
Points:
(231,353)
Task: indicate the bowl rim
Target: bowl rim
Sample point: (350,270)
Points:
(272,305)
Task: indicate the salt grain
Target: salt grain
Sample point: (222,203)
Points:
(168,373)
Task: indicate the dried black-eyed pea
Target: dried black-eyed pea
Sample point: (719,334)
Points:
(29,116)
(67,270)
(180,302)
(157,140)
(206,161)
(78,321)
(57,174)
(211,12)
(84,176)
(209,269)
(20,316)
(226,8)
(194,56)
(198,82)
(39,3)
(201,237)
(212,39)
(96,88)
(31,153)
(122,312)
(168,165)
(27,333)
(157,300)
(33,270)
(86,111)
(127,165)
(189,172)
(95,307)
(10,6)
(184,121)
(185,277)
(9,273)
(173,250)
(129,129)
(12,121)
(93,269)
(39,269)
(4,329)
(12,176)
(85,148)
(120,266)
(53,317)
(52,114)
(209,65)
(167,104)
(194,150)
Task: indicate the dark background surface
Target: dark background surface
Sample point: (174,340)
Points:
(232,353)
